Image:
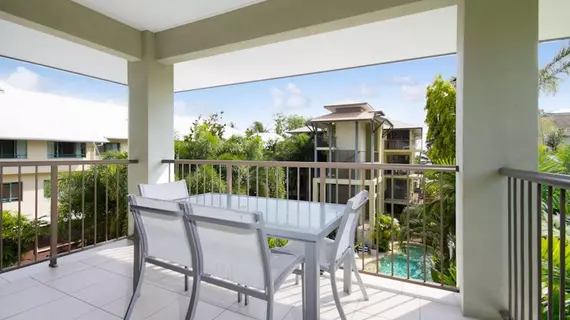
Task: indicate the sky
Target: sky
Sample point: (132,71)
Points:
(398,89)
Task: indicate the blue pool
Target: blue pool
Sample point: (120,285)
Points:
(401,264)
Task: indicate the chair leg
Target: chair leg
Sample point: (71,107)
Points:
(336,296)
(185,281)
(270,308)
(359,279)
(303,285)
(194,298)
(137,290)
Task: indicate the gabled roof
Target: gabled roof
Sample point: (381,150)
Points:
(360,111)
(403,125)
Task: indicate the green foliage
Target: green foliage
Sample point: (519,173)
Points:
(440,119)
(434,219)
(257,127)
(284,123)
(95,198)
(556,283)
(553,139)
(549,76)
(275,242)
(449,276)
(25,229)
(385,230)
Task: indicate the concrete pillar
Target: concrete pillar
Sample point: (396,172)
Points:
(151,118)
(497,100)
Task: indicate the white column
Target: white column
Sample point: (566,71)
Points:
(497,100)
(151,118)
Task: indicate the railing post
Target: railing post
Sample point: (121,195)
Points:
(229,170)
(53,217)
(323,185)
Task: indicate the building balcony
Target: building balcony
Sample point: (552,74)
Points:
(96,284)
(93,279)
(397,145)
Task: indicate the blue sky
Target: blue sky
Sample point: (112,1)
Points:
(398,89)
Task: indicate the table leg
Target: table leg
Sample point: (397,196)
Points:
(347,267)
(311,305)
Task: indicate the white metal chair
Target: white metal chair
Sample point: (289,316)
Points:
(333,253)
(166,239)
(166,191)
(235,254)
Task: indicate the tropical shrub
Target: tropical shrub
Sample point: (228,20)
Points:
(385,230)
(557,269)
(11,230)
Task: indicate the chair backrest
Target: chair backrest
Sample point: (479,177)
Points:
(163,230)
(165,191)
(348,224)
(233,246)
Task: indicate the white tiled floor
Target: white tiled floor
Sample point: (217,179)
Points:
(96,285)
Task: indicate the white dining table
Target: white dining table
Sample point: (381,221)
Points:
(303,221)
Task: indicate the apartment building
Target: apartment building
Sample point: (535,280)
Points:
(356,133)
(56,128)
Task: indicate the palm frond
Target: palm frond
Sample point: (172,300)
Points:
(550,74)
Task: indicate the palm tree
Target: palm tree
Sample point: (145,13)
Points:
(549,75)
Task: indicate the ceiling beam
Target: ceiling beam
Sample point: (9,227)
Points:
(74,22)
(278,20)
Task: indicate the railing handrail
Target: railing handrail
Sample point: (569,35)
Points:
(33,163)
(320,165)
(551,179)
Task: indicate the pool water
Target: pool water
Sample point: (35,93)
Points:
(401,264)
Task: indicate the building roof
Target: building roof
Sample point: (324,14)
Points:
(353,106)
(49,117)
(403,125)
(359,111)
(559,119)
(303,130)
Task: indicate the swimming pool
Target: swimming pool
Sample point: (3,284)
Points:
(401,264)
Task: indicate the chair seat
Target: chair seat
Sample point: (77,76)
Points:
(282,264)
(298,248)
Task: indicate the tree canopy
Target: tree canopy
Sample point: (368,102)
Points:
(284,123)
(440,119)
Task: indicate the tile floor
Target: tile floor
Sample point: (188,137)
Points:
(96,284)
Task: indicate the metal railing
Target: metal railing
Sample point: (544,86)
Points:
(398,144)
(412,246)
(538,249)
(86,207)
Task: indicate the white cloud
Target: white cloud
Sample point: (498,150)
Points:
(367,91)
(403,80)
(288,98)
(415,92)
(24,78)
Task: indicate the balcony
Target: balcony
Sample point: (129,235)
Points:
(397,145)
(93,279)
(96,284)
(323,142)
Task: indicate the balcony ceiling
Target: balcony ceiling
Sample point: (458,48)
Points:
(157,16)
(392,37)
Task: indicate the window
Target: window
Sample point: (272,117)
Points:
(13,149)
(12,191)
(108,147)
(66,150)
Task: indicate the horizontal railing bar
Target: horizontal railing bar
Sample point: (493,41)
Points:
(320,165)
(554,180)
(33,163)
